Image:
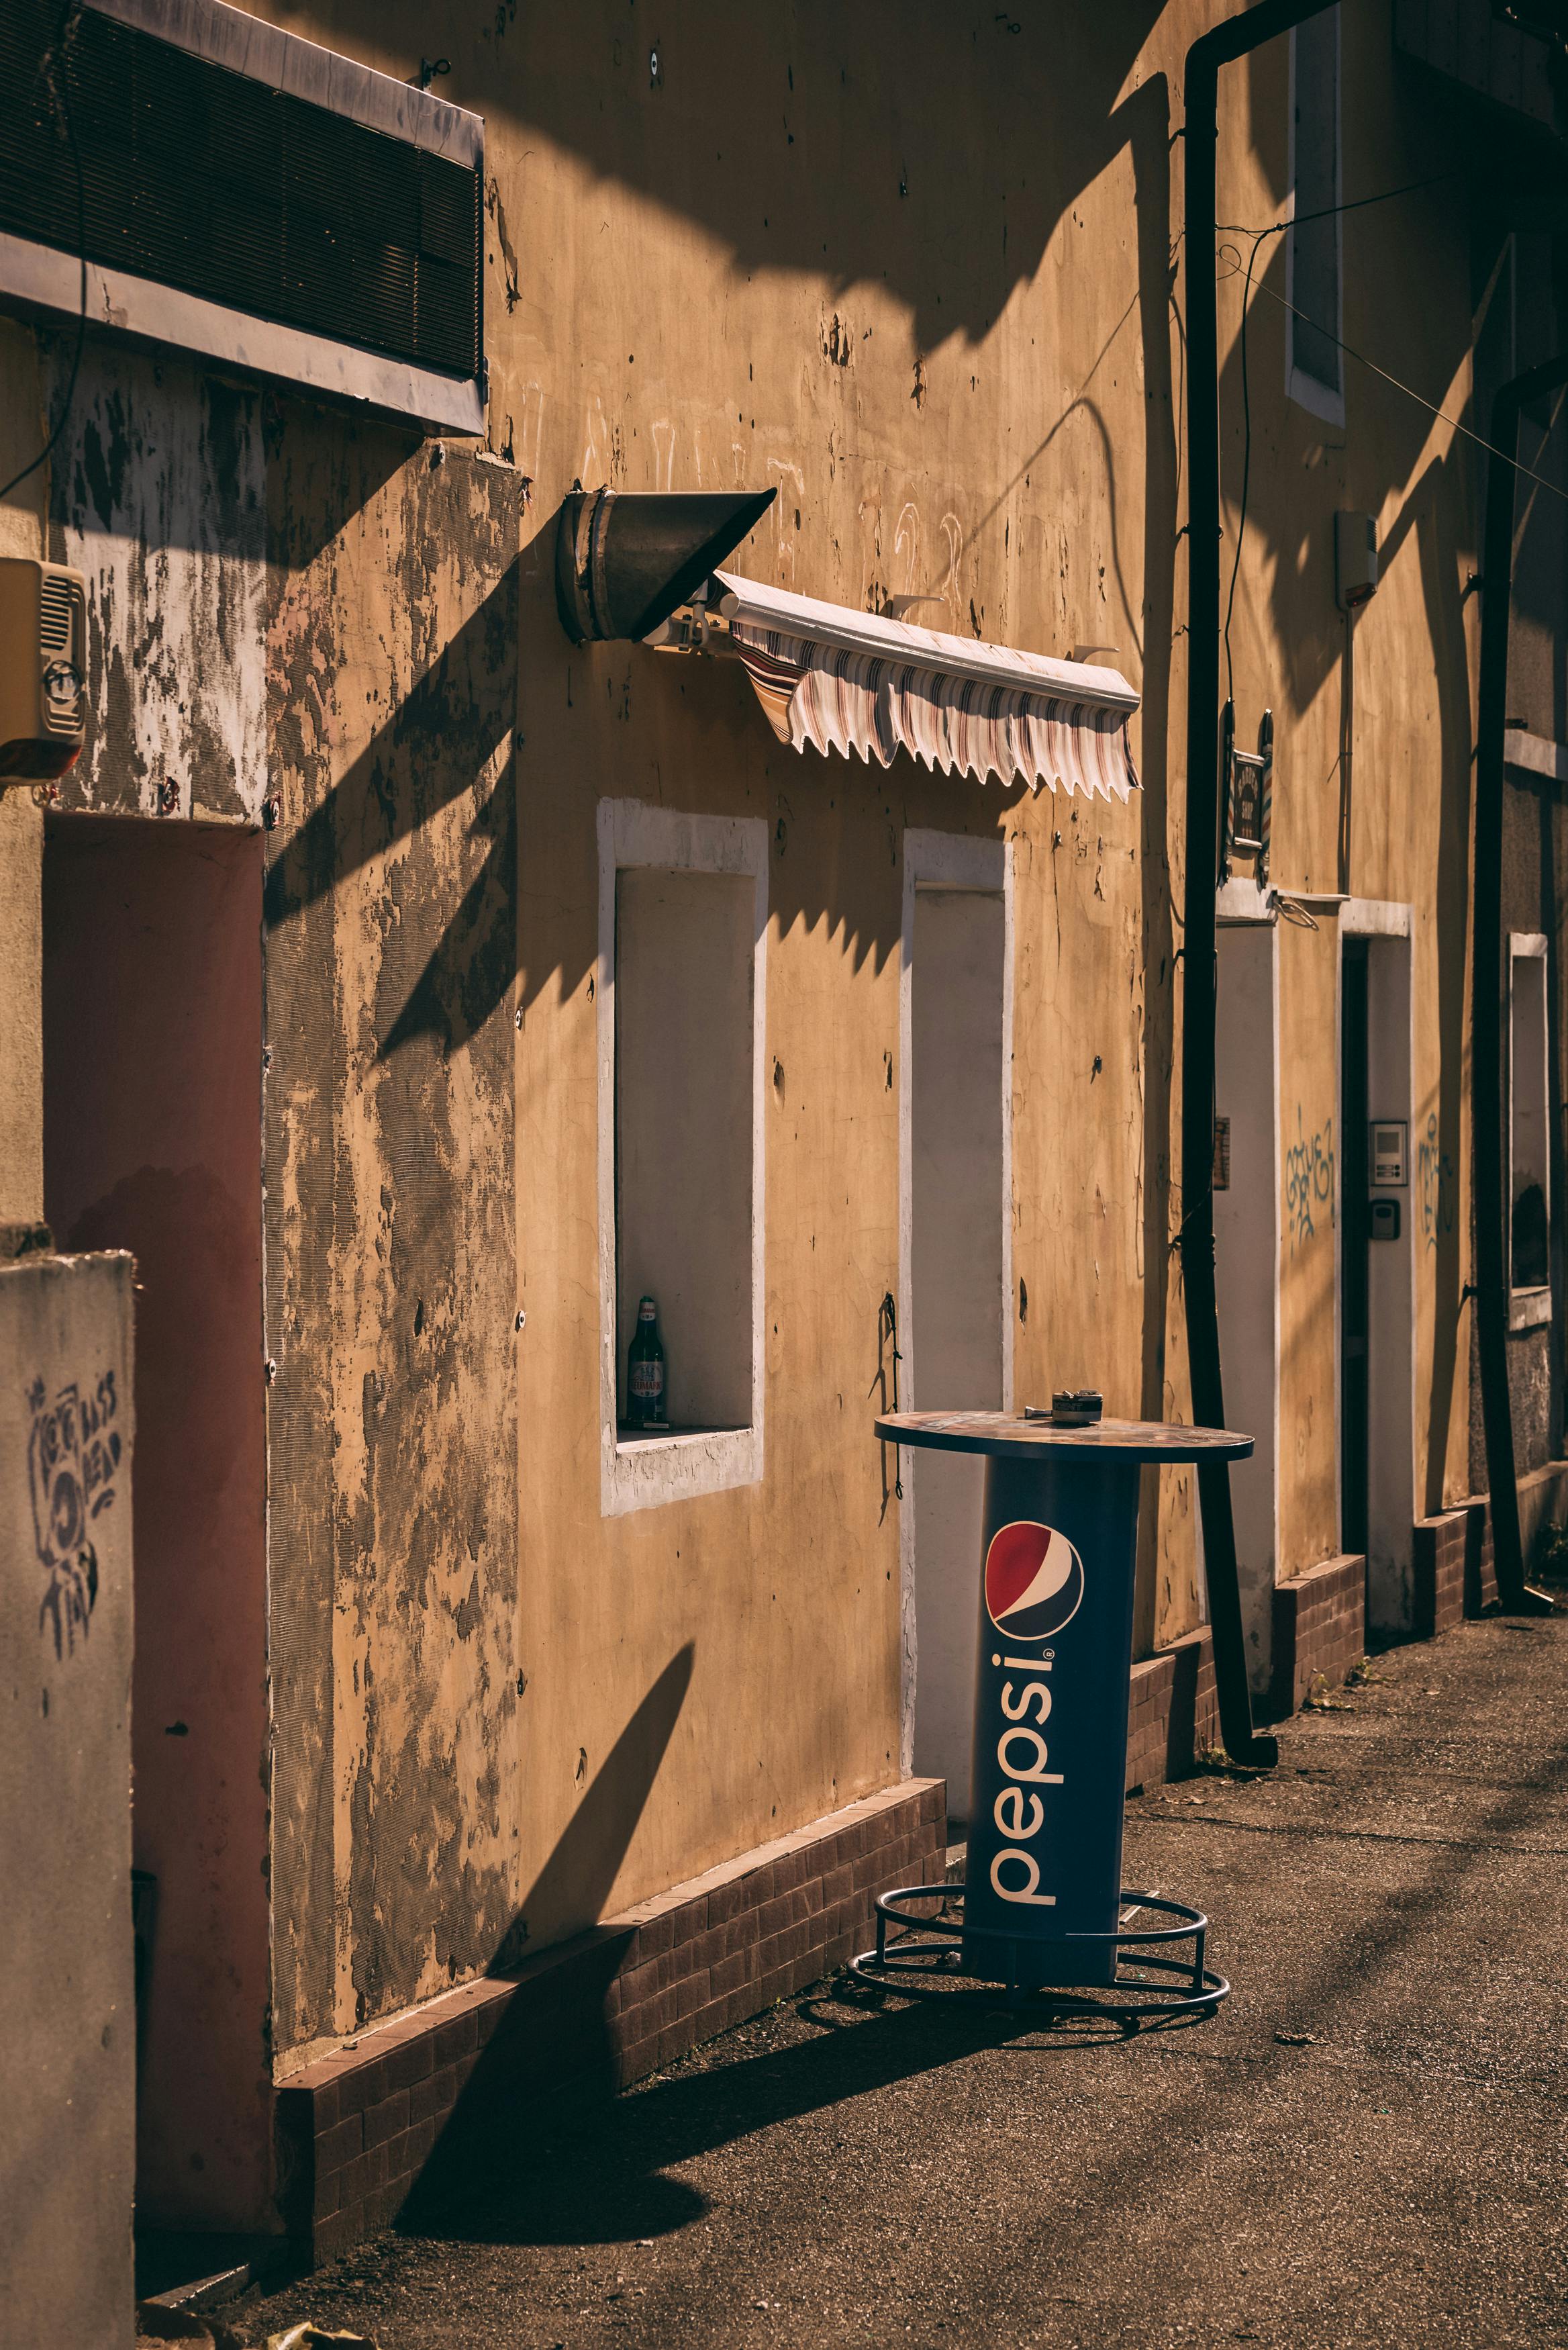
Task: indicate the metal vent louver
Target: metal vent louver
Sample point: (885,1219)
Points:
(202,179)
(55,603)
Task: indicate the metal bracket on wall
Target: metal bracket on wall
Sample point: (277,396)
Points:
(1247,795)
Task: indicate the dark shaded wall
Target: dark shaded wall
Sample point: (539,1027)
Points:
(153,1037)
(1534,814)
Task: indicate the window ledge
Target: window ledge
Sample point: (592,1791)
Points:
(637,1440)
(1528,1308)
(1319,399)
(37,277)
(644,1468)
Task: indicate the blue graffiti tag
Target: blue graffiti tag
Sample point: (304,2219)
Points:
(1435,1178)
(1309,1181)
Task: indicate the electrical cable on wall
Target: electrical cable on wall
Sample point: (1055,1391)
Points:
(1440,414)
(1278,228)
(51,74)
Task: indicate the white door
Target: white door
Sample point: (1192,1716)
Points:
(957,1319)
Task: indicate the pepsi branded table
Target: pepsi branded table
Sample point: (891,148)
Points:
(1043,1903)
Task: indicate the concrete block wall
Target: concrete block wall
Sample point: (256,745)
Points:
(355,2130)
(67,2007)
(1320,1628)
(1543,1502)
(1480,1574)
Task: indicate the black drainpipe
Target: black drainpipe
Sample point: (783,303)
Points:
(1489,997)
(1236,37)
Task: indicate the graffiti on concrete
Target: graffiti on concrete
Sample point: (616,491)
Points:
(1435,1180)
(1309,1181)
(73,1458)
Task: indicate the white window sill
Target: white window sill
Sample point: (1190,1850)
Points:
(1319,399)
(42,279)
(1527,1309)
(640,1468)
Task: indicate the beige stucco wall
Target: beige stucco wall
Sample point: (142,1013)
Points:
(781,259)
(1400,701)
(932,292)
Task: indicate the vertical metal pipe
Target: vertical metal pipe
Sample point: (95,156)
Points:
(1222,45)
(1489,997)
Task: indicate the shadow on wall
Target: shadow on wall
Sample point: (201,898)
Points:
(785,136)
(390,915)
(1430,514)
(442,735)
(576,1880)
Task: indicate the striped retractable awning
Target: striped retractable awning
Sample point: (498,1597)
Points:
(831,678)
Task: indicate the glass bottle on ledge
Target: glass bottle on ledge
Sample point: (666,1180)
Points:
(645,1397)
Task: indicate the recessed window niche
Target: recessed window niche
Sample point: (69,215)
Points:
(682,930)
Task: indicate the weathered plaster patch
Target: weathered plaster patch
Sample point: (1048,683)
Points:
(161,504)
(391,948)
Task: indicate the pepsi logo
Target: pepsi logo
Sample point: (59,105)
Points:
(1034,1580)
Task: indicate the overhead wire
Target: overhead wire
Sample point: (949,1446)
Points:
(1258,236)
(50,73)
(1478,439)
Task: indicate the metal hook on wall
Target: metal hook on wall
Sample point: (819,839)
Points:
(887,1335)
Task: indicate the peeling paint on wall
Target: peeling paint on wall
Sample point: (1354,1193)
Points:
(162,504)
(392,953)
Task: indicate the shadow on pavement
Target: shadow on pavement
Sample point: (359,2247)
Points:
(602,2175)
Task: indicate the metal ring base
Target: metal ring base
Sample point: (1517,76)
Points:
(926,1960)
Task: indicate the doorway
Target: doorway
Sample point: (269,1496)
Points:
(1247,1257)
(957,1257)
(1355,1267)
(153,1078)
(1376,1288)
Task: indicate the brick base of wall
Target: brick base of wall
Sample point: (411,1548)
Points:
(355,2131)
(1438,1548)
(1480,1574)
(1174,1718)
(1320,1628)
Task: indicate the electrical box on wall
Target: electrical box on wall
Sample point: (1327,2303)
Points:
(43,669)
(1355,559)
(1389,1140)
(1385,1220)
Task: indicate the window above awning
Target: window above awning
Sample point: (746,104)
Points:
(831,678)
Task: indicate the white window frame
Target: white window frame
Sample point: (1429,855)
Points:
(38,277)
(1528,1308)
(1305,389)
(647,1471)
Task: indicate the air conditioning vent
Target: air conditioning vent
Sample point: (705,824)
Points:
(55,604)
(43,666)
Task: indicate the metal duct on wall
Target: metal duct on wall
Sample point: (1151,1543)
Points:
(624,561)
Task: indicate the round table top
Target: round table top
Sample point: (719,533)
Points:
(1010,1434)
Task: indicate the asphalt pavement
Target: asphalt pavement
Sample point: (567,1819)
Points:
(1365,2145)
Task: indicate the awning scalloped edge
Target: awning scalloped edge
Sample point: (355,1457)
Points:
(959,707)
(822,698)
